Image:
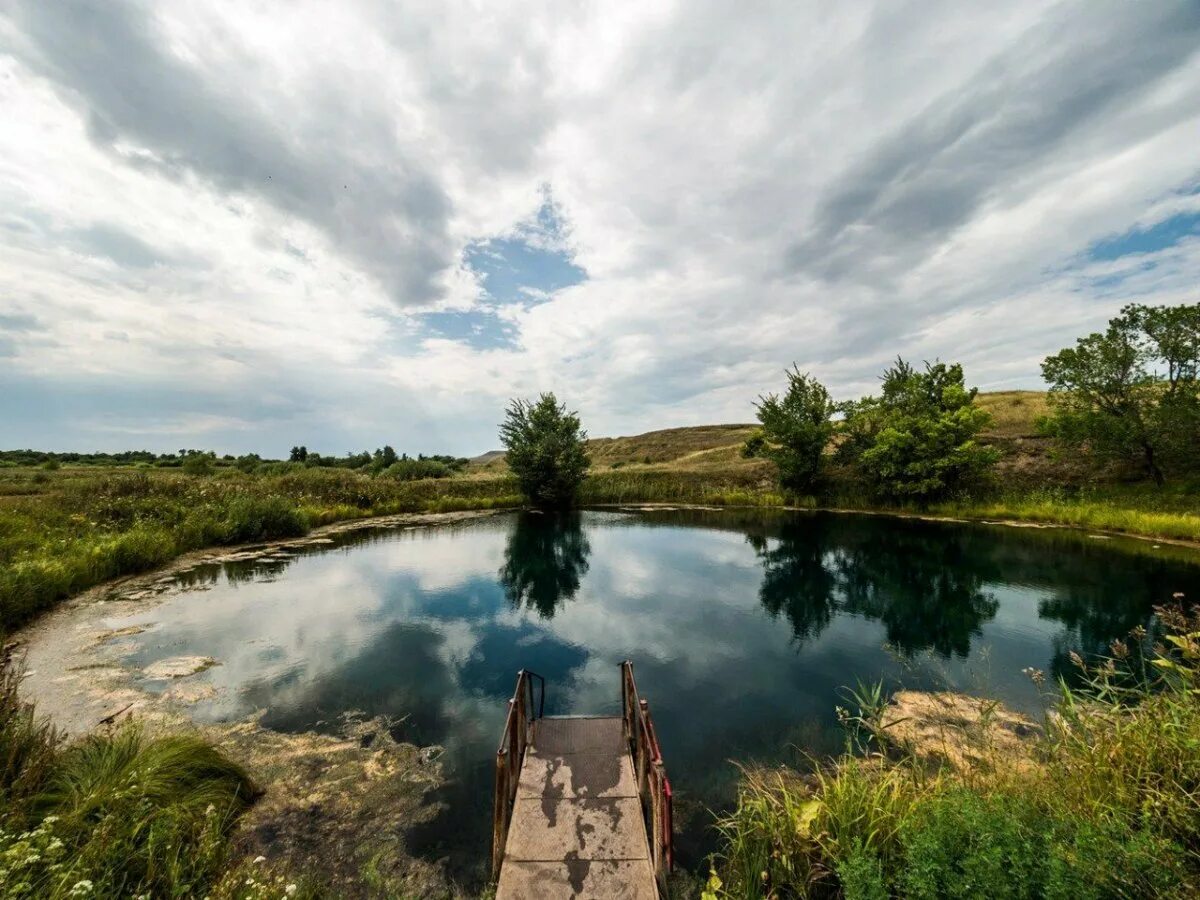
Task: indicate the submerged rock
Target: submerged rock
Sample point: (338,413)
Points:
(178,666)
(964,732)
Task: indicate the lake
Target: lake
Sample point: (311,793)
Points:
(745,628)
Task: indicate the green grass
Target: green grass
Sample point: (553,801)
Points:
(1172,512)
(115,814)
(1108,807)
(64,531)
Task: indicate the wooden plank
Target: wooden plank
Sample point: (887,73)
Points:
(577,827)
(603,828)
(610,879)
(577,775)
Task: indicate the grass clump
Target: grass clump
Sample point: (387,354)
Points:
(1110,808)
(119,814)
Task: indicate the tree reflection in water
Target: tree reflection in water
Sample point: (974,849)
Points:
(928,594)
(545,559)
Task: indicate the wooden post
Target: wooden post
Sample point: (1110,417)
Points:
(499,814)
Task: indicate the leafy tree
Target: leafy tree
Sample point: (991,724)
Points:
(545,450)
(795,430)
(298,454)
(545,560)
(197,462)
(917,440)
(1132,392)
(249,462)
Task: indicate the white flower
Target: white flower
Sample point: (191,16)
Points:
(81,888)
(290,889)
(259,859)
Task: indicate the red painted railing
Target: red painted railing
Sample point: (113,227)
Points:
(510,756)
(653,785)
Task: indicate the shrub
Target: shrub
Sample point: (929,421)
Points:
(249,518)
(544,447)
(917,439)
(795,431)
(415,469)
(199,463)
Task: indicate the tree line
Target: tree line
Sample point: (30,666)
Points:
(1128,395)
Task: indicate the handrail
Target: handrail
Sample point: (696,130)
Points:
(654,787)
(510,756)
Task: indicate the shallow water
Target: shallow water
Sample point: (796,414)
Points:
(745,628)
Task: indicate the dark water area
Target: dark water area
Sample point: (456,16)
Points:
(745,628)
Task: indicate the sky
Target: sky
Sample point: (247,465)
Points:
(243,226)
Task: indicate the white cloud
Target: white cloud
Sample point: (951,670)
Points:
(258,199)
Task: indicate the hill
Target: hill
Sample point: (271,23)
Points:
(1013,429)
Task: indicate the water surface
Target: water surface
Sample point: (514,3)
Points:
(745,627)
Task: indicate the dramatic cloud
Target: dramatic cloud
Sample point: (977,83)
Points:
(247,226)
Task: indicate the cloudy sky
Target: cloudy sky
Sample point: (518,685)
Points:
(248,225)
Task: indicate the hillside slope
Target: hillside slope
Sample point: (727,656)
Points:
(1013,429)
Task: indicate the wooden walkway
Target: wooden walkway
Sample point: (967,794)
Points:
(576,828)
(583,804)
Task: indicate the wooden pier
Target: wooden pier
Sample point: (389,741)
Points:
(582,803)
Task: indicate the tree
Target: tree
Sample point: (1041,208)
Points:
(197,462)
(298,454)
(795,430)
(545,560)
(917,440)
(248,462)
(1132,392)
(545,450)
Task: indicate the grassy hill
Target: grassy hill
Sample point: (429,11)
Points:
(1014,414)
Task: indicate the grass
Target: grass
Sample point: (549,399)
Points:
(1111,807)
(117,814)
(1172,512)
(64,531)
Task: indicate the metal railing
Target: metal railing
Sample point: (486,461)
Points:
(653,785)
(510,756)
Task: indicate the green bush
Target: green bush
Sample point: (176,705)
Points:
(415,469)
(544,448)
(917,440)
(795,431)
(249,518)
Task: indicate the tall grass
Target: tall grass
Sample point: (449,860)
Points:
(1110,809)
(80,530)
(119,814)
(1132,510)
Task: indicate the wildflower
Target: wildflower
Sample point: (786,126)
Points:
(259,859)
(1119,649)
(1037,676)
(81,888)
(290,889)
